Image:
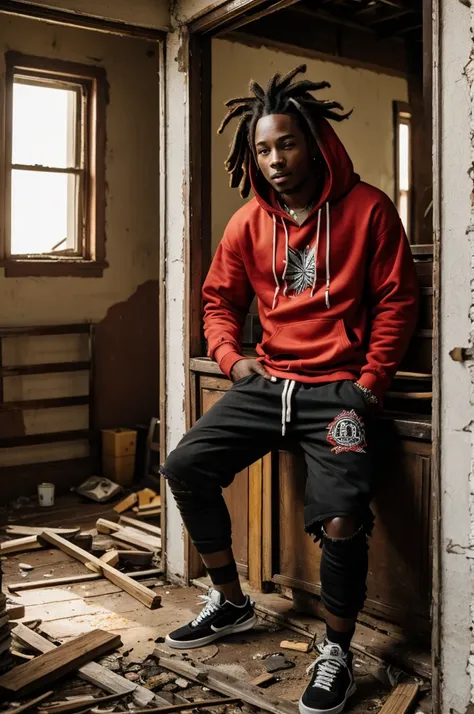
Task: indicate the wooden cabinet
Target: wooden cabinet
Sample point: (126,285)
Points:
(266,500)
(398,584)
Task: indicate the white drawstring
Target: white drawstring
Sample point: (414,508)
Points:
(287,393)
(316,250)
(287,244)
(328,250)
(277,282)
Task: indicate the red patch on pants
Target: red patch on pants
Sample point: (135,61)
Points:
(347,433)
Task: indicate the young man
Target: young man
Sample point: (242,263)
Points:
(329,262)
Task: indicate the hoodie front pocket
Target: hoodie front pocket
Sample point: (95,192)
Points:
(312,343)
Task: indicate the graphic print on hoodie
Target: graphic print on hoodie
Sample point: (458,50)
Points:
(337,296)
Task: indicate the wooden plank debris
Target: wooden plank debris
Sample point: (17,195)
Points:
(77,704)
(145,496)
(133,588)
(91,672)
(151,513)
(73,579)
(140,525)
(136,537)
(296,646)
(135,557)
(126,503)
(34,530)
(401,699)
(263,679)
(32,703)
(111,557)
(20,545)
(52,665)
(226,684)
(205,703)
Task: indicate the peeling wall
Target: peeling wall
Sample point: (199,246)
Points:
(457,455)
(132,233)
(177,189)
(148,13)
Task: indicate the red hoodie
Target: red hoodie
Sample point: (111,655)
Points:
(337,296)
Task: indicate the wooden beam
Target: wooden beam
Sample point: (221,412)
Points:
(52,665)
(128,535)
(20,545)
(71,580)
(140,525)
(226,684)
(33,530)
(136,590)
(111,558)
(401,699)
(126,504)
(91,672)
(205,703)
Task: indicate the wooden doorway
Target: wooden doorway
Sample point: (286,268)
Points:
(411,426)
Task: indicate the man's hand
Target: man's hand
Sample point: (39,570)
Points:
(245,366)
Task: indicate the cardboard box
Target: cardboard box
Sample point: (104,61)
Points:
(119,442)
(119,468)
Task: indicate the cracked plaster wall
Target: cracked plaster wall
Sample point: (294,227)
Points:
(457,386)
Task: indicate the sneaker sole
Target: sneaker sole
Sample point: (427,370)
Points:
(303,709)
(191,644)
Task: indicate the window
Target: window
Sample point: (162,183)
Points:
(55,173)
(403,179)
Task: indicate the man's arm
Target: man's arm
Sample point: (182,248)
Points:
(394,297)
(227,295)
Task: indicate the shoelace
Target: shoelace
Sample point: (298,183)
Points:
(328,667)
(209,608)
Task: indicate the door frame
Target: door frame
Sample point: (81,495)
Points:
(234,13)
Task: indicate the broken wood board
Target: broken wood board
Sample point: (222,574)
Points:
(263,679)
(32,703)
(126,503)
(111,557)
(71,580)
(135,557)
(129,535)
(136,589)
(204,703)
(20,545)
(401,699)
(226,684)
(296,646)
(151,513)
(52,665)
(15,610)
(77,704)
(35,530)
(140,525)
(91,672)
(145,496)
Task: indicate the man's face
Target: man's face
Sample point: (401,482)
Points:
(283,153)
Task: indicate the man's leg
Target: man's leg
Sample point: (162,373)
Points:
(331,427)
(241,428)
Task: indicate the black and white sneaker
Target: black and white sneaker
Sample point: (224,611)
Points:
(217,619)
(332,682)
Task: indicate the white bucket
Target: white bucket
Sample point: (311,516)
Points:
(46,494)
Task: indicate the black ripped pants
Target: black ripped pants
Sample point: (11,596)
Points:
(329,423)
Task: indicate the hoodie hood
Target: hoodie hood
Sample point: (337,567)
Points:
(340,176)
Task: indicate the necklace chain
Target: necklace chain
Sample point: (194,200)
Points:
(293,212)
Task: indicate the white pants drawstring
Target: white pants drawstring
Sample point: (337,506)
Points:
(288,389)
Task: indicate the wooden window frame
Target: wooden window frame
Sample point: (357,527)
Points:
(90,258)
(399,110)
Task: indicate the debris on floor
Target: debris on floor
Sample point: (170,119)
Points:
(65,604)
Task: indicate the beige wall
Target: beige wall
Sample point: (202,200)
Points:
(124,301)
(149,13)
(367,135)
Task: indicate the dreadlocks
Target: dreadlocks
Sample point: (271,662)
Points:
(281,97)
